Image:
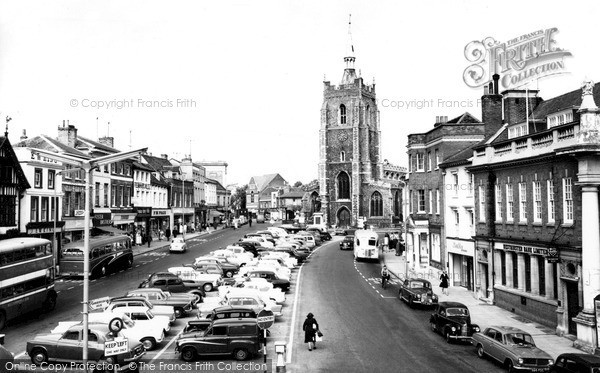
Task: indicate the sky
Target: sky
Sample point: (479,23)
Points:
(242,81)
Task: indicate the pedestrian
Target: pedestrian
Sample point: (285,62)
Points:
(250,221)
(310,327)
(149,239)
(444,283)
(168,233)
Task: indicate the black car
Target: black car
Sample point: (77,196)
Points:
(167,281)
(325,236)
(453,321)
(347,243)
(579,363)
(228,312)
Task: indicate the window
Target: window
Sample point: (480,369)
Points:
(342,114)
(437,159)
(78,203)
(509,202)
(471,217)
(561,119)
(106,168)
(53,212)
(515,269)
(429,161)
(127,197)
(51,177)
(251,197)
(411,204)
(34,208)
(420,162)
(499,202)
(105,195)
(37,183)
(456,217)
(503,265)
(97,195)
(481,203)
(411,166)
(436,253)
(121,168)
(68,204)
(119,195)
(537,201)
(397,204)
(522,202)
(343,186)
(45,209)
(113,168)
(550,187)
(470,186)
(127,170)
(552,122)
(8,211)
(437,201)
(421,197)
(568,200)
(568,117)
(455,183)
(342,156)
(376,204)
(431,201)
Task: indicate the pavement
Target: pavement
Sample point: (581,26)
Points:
(159,244)
(483,313)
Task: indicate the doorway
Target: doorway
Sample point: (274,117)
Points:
(572,305)
(343,218)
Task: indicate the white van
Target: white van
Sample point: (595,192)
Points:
(366,245)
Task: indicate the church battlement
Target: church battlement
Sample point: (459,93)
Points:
(368,89)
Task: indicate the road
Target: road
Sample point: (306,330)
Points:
(366,328)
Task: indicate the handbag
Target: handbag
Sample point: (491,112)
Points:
(319,333)
(319,338)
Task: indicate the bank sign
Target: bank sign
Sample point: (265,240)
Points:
(518,61)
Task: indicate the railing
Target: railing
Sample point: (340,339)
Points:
(565,134)
(539,142)
(503,149)
(521,144)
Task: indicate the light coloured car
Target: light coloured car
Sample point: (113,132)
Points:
(265,287)
(263,241)
(251,298)
(240,259)
(282,272)
(162,310)
(240,251)
(512,347)
(289,262)
(208,281)
(144,317)
(278,232)
(182,303)
(307,239)
(178,244)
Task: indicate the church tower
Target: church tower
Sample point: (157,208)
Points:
(349,138)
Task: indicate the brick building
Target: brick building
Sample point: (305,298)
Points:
(426,246)
(352,188)
(536,208)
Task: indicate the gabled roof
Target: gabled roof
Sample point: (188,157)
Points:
(157,163)
(94,144)
(293,193)
(459,158)
(47,143)
(465,118)
(263,181)
(157,181)
(142,166)
(5,144)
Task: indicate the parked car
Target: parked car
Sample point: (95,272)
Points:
(207,281)
(195,328)
(5,355)
(248,246)
(182,303)
(178,244)
(453,321)
(347,243)
(417,291)
(229,312)
(172,283)
(513,348)
(272,277)
(338,231)
(226,268)
(149,334)
(324,235)
(579,363)
(144,317)
(68,346)
(159,310)
(240,337)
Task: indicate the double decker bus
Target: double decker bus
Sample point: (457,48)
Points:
(26,277)
(107,254)
(366,245)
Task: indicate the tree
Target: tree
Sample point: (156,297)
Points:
(238,199)
(297,184)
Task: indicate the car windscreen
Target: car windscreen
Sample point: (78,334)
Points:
(417,284)
(520,339)
(457,312)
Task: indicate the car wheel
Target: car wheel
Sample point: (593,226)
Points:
(207,287)
(240,354)
(433,328)
(480,351)
(188,354)
(148,343)
(39,356)
(229,274)
(510,366)
(179,312)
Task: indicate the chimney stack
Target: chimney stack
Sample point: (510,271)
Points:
(491,107)
(24,136)
(107,140)
(165,156)
(67,134)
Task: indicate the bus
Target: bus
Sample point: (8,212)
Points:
(26,277)
(366,245)
(107,254)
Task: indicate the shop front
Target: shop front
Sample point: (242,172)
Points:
(159,221)
(142,222)
(461,254)
(124,220)
(183,219)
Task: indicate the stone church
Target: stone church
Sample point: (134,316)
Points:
(355,186)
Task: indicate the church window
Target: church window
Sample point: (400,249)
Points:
(342,114)
(376,204)
(343,186)
(342,156)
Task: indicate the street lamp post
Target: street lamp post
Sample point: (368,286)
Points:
(182,208)
(87,165)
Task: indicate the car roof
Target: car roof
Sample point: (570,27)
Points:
(126,298)
(452,304)
(132,309)
(237,321)
(229,308)
(418,279)
(508,329)
(591,359)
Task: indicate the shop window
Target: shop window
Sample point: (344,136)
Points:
(527,272)
(515,269)
(503,265)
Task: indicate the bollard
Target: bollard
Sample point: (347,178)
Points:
(280,349)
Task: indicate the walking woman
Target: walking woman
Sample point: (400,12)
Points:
(310,327)
(444,283)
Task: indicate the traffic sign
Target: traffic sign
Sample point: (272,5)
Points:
(115,325)
(265,319)
(117,346)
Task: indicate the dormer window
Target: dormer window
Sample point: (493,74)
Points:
(342,114)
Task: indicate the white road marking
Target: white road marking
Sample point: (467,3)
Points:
(388,297)
(167,346)
(137,265)
(72,287)
(19,355)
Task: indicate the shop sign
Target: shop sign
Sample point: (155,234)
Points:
(102,219)
(160,212)
(143,210)
(526,249)
(139,185)
(79,213)
(552,256)
(43,230)
(460,247)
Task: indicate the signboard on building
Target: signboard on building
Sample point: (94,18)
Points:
(460,247)
(44,227)
(160,212)
(102,219)
(79,213)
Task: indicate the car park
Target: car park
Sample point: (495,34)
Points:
(172,283)
(417,291)
(178,244)
(347,243)
(68,346)
(238,337)
(207,281)
(159,310)
(453,321)
(271,276)
(513,348)
(576,363)
(182,303)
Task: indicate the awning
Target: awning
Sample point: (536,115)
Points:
(215,214)
(110,229)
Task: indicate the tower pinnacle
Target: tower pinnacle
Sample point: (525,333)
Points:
(349,73)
